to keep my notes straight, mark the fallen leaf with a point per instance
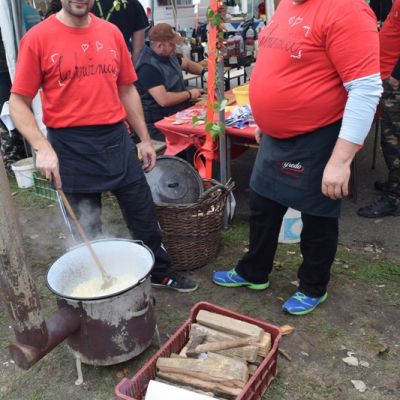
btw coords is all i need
(295, 283)
(120, 374)
(33, 237)
(364, 364)
(286, 329)
(380, 286)
(290, 253)
(353, 361)
(359, 385)
(304, 354)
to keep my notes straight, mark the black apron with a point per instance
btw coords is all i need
(95, 158)
(289, 171)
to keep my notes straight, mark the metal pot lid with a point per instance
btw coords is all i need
(174, 180)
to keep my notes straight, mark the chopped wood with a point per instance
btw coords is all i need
(259, 360)
(182, 353)
(286, 329)
(212, 335)
(248, 353)
(174, 355)
(194, 342)
(264, 344)
(215, 387)
(252, 368)
(217, 368)
(284, 354)
(223, 344)
(229, 325)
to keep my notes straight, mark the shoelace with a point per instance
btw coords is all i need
(301, 297)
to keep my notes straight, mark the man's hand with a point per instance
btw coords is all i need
(147, 155)
(258, 134)
(335, 180)
(47, 162)
(394, 83)
(195, 93)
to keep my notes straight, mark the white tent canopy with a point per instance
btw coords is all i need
(12, 29)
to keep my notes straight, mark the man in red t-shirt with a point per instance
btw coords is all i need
(84, 69)
(313, 93)
(389, 202)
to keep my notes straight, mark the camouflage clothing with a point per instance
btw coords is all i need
(390, 139)
(12, 147)
(11, 144)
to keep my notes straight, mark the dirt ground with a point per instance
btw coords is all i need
(361, 316)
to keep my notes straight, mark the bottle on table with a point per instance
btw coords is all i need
(249, 41)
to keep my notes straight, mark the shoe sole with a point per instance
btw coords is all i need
(372, 216)
(309, 310)
(252, 286)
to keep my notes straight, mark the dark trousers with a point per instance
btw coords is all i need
(138, 211)
(318, 246)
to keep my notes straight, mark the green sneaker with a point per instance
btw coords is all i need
(232, 279)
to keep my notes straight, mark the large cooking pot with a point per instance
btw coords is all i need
(114, 327)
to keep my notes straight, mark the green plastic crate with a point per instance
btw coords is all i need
(43, 187)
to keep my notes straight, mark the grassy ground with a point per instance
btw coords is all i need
(361, 315)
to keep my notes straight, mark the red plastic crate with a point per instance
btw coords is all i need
(135, 388)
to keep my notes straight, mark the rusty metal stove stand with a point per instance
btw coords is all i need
(36, 336)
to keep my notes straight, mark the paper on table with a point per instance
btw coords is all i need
(161, 391)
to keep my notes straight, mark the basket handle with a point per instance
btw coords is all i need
(228, 187)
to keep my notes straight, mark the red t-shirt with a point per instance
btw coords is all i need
(389, 37)
(79, 70)
(305, 54)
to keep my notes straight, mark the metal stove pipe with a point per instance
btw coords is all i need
(35, 337)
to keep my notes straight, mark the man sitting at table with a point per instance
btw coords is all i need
(160, 81)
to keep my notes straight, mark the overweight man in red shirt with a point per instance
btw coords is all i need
(84, 69)
(313, 93)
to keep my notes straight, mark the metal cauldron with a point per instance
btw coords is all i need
(116, 327)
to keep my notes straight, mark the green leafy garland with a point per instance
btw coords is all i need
(116, 6)
(215, 19)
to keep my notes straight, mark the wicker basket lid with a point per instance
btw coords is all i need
(174, 180)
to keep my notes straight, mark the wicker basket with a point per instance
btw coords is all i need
(191, 231)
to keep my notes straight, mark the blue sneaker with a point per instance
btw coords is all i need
(232, 279)
(301, 304)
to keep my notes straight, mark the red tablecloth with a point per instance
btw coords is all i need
(180, 137)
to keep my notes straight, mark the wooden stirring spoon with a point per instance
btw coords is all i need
(107, 279)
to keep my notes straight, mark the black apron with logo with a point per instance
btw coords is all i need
(95, 158)
(289, 171)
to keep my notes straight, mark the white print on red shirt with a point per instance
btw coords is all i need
(86, 68)
(292, 43)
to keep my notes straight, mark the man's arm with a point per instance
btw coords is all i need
(25, 122)
(337, 171)
(166, 99)
(364, 94)
(133, 107)
(137, 44)
(191, 66)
